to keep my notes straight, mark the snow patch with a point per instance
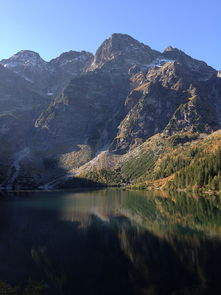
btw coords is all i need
(159, 62)
(29, 80)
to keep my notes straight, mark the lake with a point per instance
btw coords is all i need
(110, 241)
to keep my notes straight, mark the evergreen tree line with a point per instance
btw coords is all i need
(171, 164)
(203, 171)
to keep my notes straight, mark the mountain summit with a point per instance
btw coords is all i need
(26, 59)
(121, 50)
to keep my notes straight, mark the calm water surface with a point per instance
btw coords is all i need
(111, 242)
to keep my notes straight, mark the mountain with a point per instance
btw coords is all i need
(98, 117)
(27, 86)
(48, 77)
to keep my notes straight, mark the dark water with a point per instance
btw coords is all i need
(111, 242)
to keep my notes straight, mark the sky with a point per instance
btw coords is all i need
(51, 27)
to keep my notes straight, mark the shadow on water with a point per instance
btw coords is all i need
(112, 242)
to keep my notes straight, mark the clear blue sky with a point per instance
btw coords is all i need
(51, 27)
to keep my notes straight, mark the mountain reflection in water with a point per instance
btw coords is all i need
(111, 242)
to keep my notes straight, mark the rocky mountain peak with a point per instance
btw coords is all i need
(173, 52)
(118, 42)
(70, 57)
(26, 59)
(203, 71)
(169, 48)
(124, 50)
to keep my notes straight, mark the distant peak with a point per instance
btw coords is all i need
(72, 54)
(27, 58)
(121, 36)
(122, 40)
(174, 52)
(118, 42)
(170, 48)
(192, 64)
(122, 49)
(27, 53)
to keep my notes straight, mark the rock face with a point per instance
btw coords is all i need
(67, 66)
(69, 110)
(171, 89)
(81, 113)
(20, 104)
